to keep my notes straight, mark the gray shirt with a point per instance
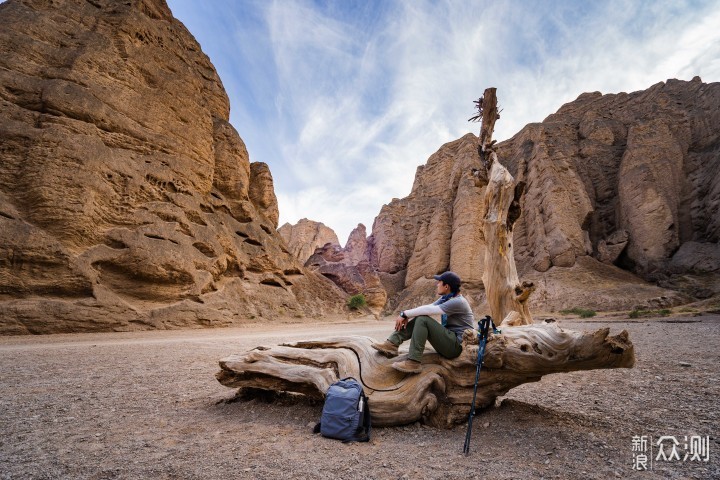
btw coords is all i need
(459, 315)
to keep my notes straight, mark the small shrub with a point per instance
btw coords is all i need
(357, 301)
(637, 313)
(583, 312)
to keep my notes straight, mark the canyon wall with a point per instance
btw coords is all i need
(621, 210)
(127, 200)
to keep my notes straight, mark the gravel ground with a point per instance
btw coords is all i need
(147, 405)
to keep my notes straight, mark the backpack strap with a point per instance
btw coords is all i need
(366, 419)
(363, 431)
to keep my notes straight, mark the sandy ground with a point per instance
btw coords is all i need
(147, 405)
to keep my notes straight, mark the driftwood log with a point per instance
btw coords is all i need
(442, 393)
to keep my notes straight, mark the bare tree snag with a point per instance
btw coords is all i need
(506, 296)
(442, 393)
(487, 114)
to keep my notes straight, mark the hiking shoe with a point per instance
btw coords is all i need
(408, 366)
(387, 348)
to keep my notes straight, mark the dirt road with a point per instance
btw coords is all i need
(147, 405)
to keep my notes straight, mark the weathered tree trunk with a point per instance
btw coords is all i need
(441, 395)
(506, 296)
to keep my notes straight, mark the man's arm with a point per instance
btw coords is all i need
(424, 310)
(431, 309)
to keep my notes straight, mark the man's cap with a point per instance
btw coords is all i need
(449, 278)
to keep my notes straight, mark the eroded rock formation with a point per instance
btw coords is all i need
(348, 268)
(639, 169)
(305, 236)
(615, 183)
(127, 200)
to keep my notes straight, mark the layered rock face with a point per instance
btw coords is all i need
(349, 268)
(434, 229)
(626, 180)
(647, 165)
(305, 236)
(127, 200)
(437, 222)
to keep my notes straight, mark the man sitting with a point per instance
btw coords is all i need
(417, 326)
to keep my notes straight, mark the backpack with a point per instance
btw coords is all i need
(345, 414)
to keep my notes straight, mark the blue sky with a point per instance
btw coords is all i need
(344, 99)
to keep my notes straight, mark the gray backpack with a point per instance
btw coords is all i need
(346, 414)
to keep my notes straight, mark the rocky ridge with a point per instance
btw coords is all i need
(621, 210)
(305, 236)
(349, 268)
(127, 200)
(638, 177)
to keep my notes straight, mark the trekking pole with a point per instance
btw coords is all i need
(482, 340)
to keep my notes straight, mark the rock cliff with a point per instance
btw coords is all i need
(640, 171)
(622, 189)
(350, 269)
(305, 236)
(127, 200)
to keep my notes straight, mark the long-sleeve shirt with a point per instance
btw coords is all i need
(458, 311)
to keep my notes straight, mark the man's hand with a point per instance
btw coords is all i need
(400, 323)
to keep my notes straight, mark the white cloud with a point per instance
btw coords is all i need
(344, 100)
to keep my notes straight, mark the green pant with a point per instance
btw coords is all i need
(423, 328)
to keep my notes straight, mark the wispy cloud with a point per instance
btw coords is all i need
(345, 99)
